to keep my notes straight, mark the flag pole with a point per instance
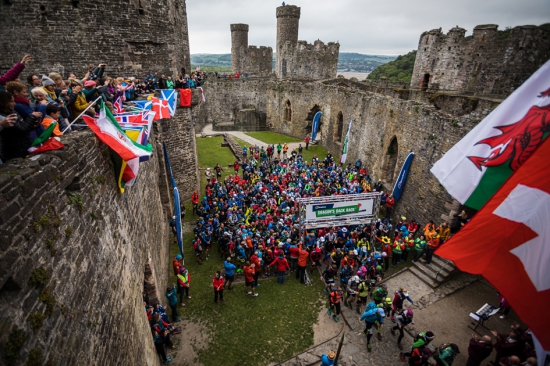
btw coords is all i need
(80, 115)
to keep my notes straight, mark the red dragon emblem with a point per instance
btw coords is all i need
(518, 140)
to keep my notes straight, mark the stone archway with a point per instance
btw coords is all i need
(309, 118)
(390, 160)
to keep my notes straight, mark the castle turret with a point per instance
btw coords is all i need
(239, 47)
(288, 19)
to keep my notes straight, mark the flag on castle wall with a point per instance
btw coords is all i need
(346, 144)
(477, 166)
(508, 242)
(109, 131)
(185, 97)
(160, 107)
(315, 125)
(117, 104)
(172, 98)
(143, 104)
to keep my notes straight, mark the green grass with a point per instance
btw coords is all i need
(241, 142)
(249, 331)
(272, 137)
(319, 150)
(211, 153)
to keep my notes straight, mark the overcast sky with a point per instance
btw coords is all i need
(365, 26)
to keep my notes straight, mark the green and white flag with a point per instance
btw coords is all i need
(479, 164)
(345, 148)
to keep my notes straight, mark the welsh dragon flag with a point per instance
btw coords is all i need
(109, 131)
(477, 166)
(346, 143)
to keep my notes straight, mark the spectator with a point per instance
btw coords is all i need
(218, 285)
(34, 82)
(479, 349)
(184, 281)
(13, 73)
(14, 132)
(171, 295)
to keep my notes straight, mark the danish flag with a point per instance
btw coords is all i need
(160, 107)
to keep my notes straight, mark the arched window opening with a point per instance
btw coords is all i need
(309, 119)
(288, 111)
(390, 160)
(339, 127)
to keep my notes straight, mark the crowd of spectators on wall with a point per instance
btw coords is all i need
(225, 75)
(27, 109)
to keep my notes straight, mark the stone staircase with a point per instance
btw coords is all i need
(435, 273)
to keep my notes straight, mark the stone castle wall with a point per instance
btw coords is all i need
(132, 37)
(248, 59)
(488, 62)
(225, 97)
(75, 253)
(428, 130)
(298, 58)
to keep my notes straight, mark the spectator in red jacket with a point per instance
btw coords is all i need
(294, 253)
(13, 73)
(218, 283)
(390, 201)
(195, 201)
(254, 259)
(176, 264)
(282, 267)
(249, 272)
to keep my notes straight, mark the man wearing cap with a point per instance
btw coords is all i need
(479, 349)
(372, 315)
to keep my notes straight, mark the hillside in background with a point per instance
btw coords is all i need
(400, 69)
(351, 62)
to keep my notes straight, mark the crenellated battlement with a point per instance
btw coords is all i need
(248, 59)
(480, 63)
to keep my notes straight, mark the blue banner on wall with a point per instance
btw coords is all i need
(315, 125)
(177, 213)
(402, 178)
(177, 208)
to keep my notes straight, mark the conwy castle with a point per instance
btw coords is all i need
(75, 254)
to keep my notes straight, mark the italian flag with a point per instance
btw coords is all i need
(479, 164)
(345, 148)
(109, 131)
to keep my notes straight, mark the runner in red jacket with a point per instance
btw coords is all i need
(249, 272)
(218, 283)
(282, 267)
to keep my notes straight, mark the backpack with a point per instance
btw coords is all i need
(416, 358)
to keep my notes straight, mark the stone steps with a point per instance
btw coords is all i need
(435, 273)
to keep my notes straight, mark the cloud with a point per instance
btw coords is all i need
(364, 26)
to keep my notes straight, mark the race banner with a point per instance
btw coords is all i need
(347, 209)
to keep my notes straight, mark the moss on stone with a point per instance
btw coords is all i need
(12, 348)
(46, 297)
(36, 320)
(39, 277)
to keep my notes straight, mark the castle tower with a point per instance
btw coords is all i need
(288, 19)
(239, 47)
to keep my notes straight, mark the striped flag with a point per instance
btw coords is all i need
(109, 131)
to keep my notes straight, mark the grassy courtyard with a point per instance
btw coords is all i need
(272, 137)
(244, 330)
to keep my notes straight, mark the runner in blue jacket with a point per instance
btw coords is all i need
(372, 315)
